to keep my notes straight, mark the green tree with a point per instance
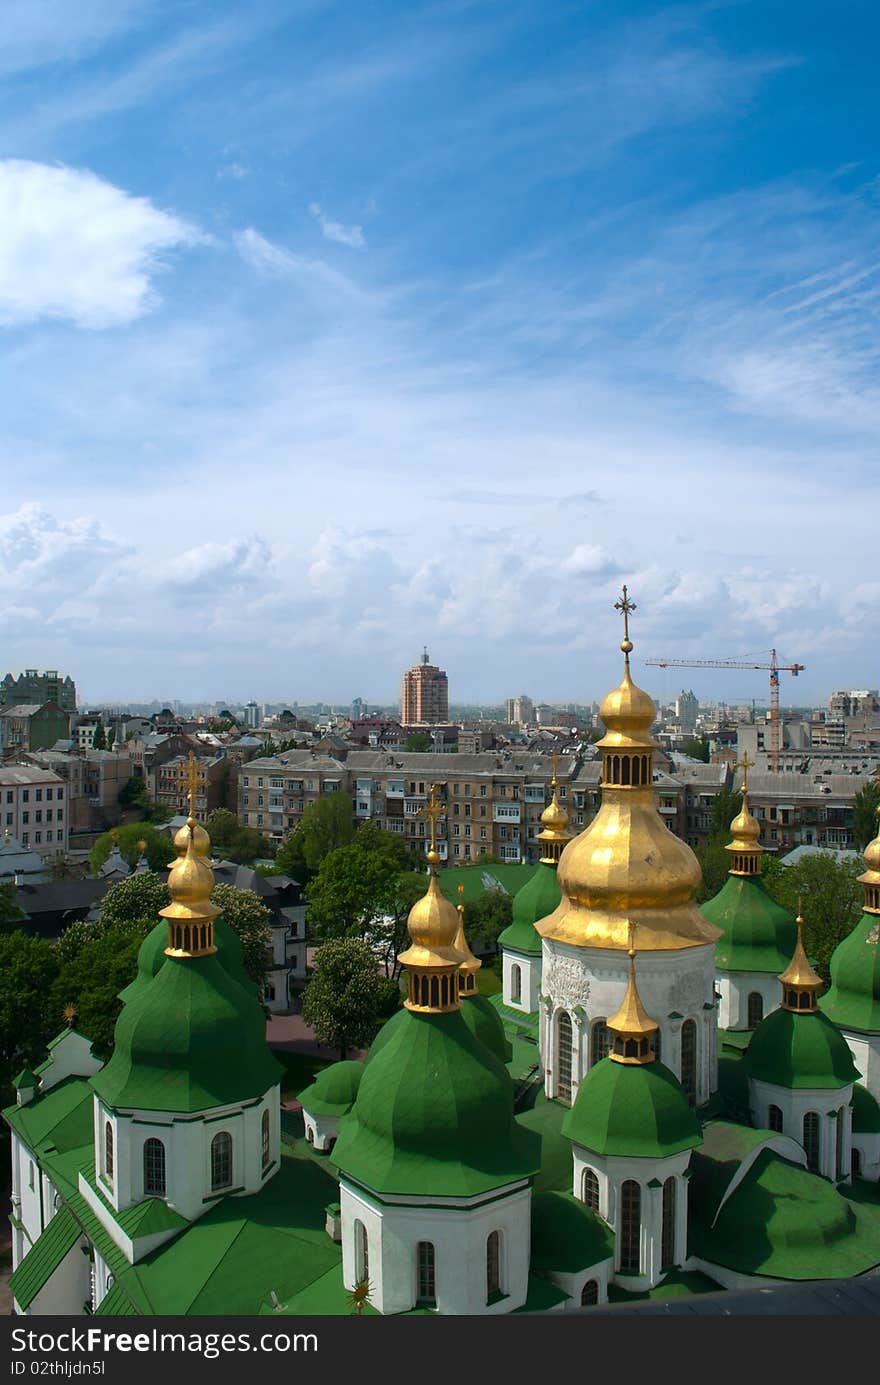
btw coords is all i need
(111, 737)
(247, 914)
(866, 806)
(831, 900)
(11, 912)
(405, 855)
(63, 868)
(343, 1000)
(487, 916)
(418, 741)
(222, 826)
(351, 888)
(725, 806)
(159, 847)
(325, 825)
(698, 749)
(28, 967)
(134, 794)
(389, 939)
(99, 740)
(715, 865)
(91, 980)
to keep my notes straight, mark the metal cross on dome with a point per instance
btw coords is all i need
(745, 764)
(432, 811)
(624, 605)
(192, 781)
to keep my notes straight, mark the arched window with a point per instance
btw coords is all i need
(840, 1128)
(563, 1056)
(811, 1140)
(600, 1042)
(774, 1119)
(754, 1009)
(154, 1168)
(361, 1252)
(266, 1142)
(856, 1162)
(493, 1264)
(667, 1236)
(590, 1189)
(435, 993)
(589, 1293)
(516, 982)
(427, 1288)
(689, 1061)
(655, 1044)
(310, 1135)
(221, 1161)
(108, 1150)
(630, 1226)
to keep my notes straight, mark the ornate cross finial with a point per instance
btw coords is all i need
(461, 899)
(555, 767)
(624, 605)
(745, 764)
(192, 781)
(432, 811)
(68, 1014)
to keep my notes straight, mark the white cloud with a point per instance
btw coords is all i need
(334, 230)
(74, 247)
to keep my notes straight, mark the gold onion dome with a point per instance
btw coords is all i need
(190, 914)
(632, 1026)
(626, 868)
(432, 960)
(469, 967)
(870, 879)
(192, 831)
(745, 848)
(800, 984)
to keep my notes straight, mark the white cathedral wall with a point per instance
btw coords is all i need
(68, 1289)
(187, 1152)
(321, 1131)
(795, 1103)
(530, 980)
(735, 988)
(590, 984)
(459, 1235)
(32, 1198)
(868, 1146)
(865, 1049)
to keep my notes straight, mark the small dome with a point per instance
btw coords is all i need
(152, 954)
(853, 999)
(484, 1022)
(554, 817)
(567, 1236)
(758, 934)
(800, 1050)
(744, 828)
(639, 1111)
(628, 713)
(191, 1039)
(872, 852)
(334, 1090)
(200, 839)
(536, 899)
(434, 1114)
(433, 923)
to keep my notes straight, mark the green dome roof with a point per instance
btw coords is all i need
(434, 1114)
(792, 1050)
(334, 1090)
(866, 1112)
(484, 1022)
(631, 1109)
(538, 897)
(853, 999)
(567, 1236)
(192, 1038)
(152, 954)
(807, 1229)
(759, 935)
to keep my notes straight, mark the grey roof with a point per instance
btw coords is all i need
(16, 859)
(27, 774)
(426, 766)
(21, 709)
(839, 854)
(789, 785)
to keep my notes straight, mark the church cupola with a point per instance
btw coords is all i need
(745, 848)
(800, 984)
(432, 960)
(554, 835)
(870, 880)
(633, 1031)
(467, 972)
(190, 914)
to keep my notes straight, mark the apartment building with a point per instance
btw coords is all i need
(33, 808)
(171, 781)
(424, 698)
(805, 809)
(32, 726)
(38, 688)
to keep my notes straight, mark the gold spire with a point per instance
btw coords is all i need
(432, 960)
(190, 914)
(626, 868)
(800, 984)
(870, 881)
(632, 1026)
(554, 833)
(467, 972)
(745, 848)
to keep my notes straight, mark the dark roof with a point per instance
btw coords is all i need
(820, 1297)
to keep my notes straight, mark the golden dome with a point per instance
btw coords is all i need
(190, 914)
(744, 829)
(872, 851)
(554, 817)
(470, 964)
(632, 1026)
(192, 831)
(799, 976)
(626, 870)
(432, 924)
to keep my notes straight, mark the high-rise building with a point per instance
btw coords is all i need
(424, 698)
(686, 709)
(520, 711)
(38, 688)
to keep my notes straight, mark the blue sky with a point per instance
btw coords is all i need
(329, 329)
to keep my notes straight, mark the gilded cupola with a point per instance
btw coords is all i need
(633, 1031)
(626, 868)
(800, 984)
(190, 914)
(432, 959)
(745, 848)
(554, 835)
(467, 972)
(870, 880)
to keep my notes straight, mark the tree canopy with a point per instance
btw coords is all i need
(831, 899)
(346, 996)
(11, 912)
(866, 805)
(418, 741)
(28, 967)
(160, 850)
(725, 806)
(352, 886)
(233, 841)
(326, 824)
(487, 916)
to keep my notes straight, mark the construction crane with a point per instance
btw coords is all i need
(775, 669)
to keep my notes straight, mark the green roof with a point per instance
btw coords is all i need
(116, 1304)
(759, 935)
(853, 999)
(334, 1089)
(190, 1040)
(631, 1109)
(866, 1112)
(61, 1117)
(717, 1162)
(434, 1114)
(542, 1295)
(484, 1022)
(521, 1019)
(567, 1236)
(44, 1257)
(325, 1295)
(786, 1223)
(537, 898)
(25, 1079)
(545, 1119)
(477, 878)
(800, 1050)
(152, 956)
(149, 1217)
